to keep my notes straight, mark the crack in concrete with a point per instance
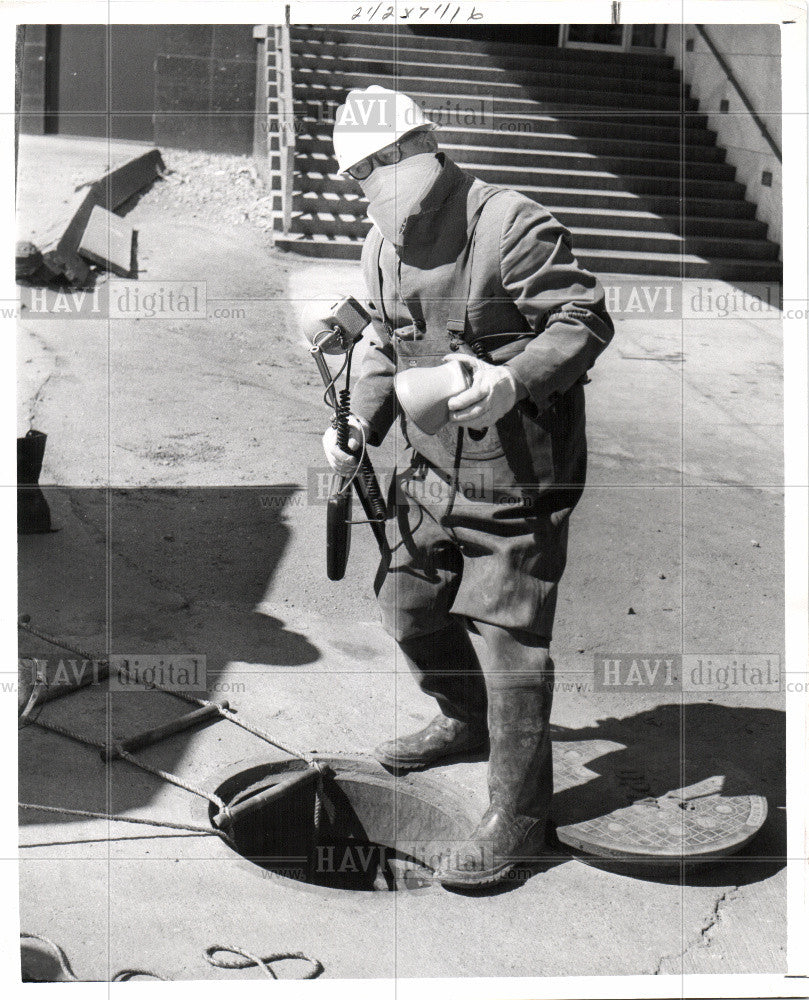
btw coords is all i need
(36, 399)
(704, 938)
(45, 362)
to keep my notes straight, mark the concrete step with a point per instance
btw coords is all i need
(524, 177)
(373, 56)
(353, 206)
(565, 75)
(311, 223)
(540, 159)
(320, 246)
(345, 203)
(335, 85)
(546, 142)
(554, 191)
(405, 39)
(626, 166)
(631, 241)
(605, 180)
(563, 60)
(598, 261)
(637, 128)
(471, 109)
(650, 222)
(674, 265)
(610, 142)
(719, 207)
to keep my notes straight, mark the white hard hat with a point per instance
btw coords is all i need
(371, 119)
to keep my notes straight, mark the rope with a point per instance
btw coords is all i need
(318, 816)
(23, 622)
(226, 713)
(126, 974)
(201, 702)
(317, 822)
(250, 961)
(246, 960)
(456, 472)
(54, 728)
(202, 830)
(250, 728)
(165, 775)
(212, 797)
(70, 975)
(64, 963)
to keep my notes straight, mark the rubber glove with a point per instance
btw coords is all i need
(491, 395)
(342, 463)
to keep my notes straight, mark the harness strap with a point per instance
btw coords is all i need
(375, 256)
(462, 278)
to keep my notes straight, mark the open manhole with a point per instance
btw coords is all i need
(376, 831)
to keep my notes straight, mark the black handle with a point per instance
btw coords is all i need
(338, 532)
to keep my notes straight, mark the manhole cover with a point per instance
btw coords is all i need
(377, 831)
(626, 808)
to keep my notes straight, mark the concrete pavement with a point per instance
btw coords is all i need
(203, 430)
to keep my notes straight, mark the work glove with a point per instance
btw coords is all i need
(342, 463)
(491, 395)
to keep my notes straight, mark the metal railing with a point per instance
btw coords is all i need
(739, 90)
(286, 121)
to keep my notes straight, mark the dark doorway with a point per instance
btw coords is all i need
(76, 79)
(186, 85)
(94, 76)
(510, 34)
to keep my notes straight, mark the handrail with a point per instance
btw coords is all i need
(739, 90)
(286, 120)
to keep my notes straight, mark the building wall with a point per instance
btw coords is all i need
(753, 53)
(32, 80)
(209, 70)
(188, 86)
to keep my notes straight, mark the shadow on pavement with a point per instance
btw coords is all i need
(161, 571)
(672, 746)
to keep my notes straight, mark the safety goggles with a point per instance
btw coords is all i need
(385, 157)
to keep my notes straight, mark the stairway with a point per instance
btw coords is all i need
(599, 138)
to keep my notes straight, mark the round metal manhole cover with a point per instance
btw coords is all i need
(372, 831)
(619, 811)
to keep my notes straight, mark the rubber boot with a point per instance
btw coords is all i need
(512, 830)
(33, 513)
(447, 668)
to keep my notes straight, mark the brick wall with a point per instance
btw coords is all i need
(187, 86)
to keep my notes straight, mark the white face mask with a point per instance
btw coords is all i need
(395, 192)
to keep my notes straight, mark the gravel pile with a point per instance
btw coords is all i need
(218, 188)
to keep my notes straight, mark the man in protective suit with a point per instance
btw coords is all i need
(457, 268)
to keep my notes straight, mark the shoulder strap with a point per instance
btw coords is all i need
(462, 278)
(374, 251)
